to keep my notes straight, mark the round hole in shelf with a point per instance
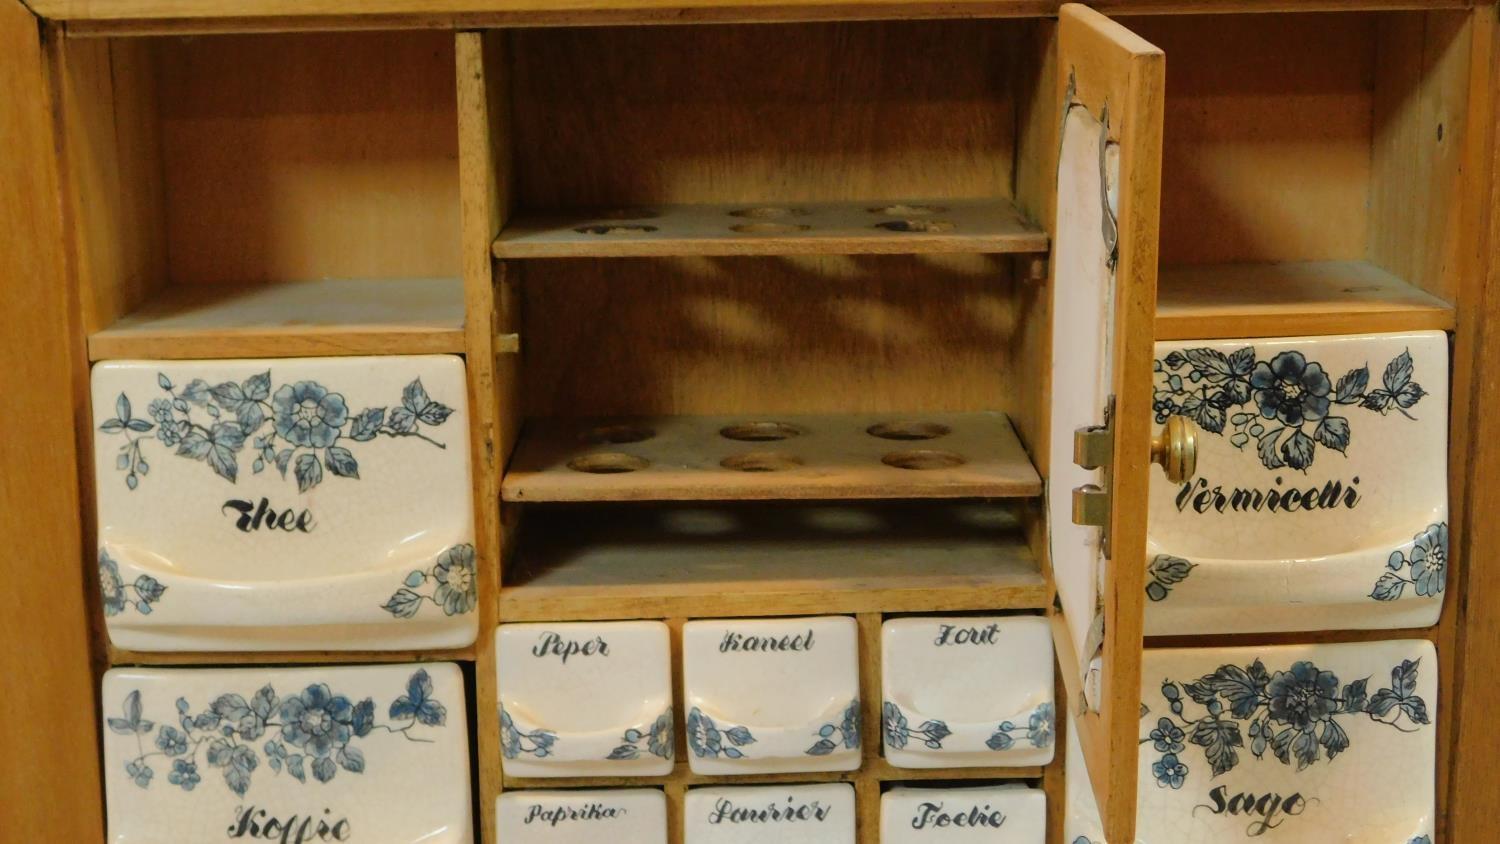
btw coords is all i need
(923, 458)
(758, 432)
(769, 212)
(613, 229)
(902, 210)
(761, 461)
(626, 214)
(906, 430)
(607, 463)
(769, 228)
(617, 434)
(924, 226)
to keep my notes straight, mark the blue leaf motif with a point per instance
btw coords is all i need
(309, 472)
(342, 463)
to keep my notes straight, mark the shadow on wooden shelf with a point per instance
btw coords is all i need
(594, 563)
(293, 319)
(1215, 301)
(750, 457)
(876, 769)
(119, 657)
(802, 228)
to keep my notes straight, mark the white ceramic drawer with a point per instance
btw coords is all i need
(1321, 494)
(350, 753)
(784, 814)
(1004, 814)
(967, 692)
(320, 503)
(585, 699)
(772, 695)
(621, 815)
(1291, 744)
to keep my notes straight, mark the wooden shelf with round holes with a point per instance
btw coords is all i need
(892, 227)
(744, 458)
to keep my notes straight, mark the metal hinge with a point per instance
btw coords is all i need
(1094, 448)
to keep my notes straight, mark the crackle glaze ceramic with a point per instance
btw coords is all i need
(771, 695)
(621, 815)
(287, 504)
(350, 753)
(967, 691)
(1003, 814)
(1321, 494)
(585, 699)
(784, 814)
(1081, 820)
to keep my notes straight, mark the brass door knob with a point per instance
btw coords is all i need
(1175, 449)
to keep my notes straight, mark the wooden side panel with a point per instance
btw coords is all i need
(1107, 69)
(48, 714)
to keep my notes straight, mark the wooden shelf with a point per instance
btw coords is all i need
(876, 769)
(294, 319)
(750, 457)
(845, 228)
(121, 657)
(1214, 301)
(592, 563)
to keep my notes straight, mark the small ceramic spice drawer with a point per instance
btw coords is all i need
(967, 691)
(1320, 499)
(290, 504)
(785, 814)
(1003, 814)
(772, 695)
(582, 699)
(349, 753)
(625, 815)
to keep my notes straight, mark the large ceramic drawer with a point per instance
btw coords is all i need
(319, 503)
(1320, 499)
(772, 695)
(967, 691)
(1004, 814)
(1294, 744)
(785, 814)
(619, 816)
(366, 753)
(585, 699)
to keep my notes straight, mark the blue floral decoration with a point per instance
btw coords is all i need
(708, 740)
(141, 593)
(312, 732)
(898, 732)
(1294, 713)
(657, 740)
(454, 586)
(1289, 399)
(1421, 839)
(1163, 572)
(1427, 566)
(514, 742)
(212, 423)
(844, 732)
(1039, 730)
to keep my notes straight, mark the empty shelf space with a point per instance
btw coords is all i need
(588, 563)
(841, 228)
(292, 319)
(750, 457)
(1213, 301)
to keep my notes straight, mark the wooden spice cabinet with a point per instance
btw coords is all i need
(204, 179)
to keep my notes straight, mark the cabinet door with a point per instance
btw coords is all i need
(1110, 89)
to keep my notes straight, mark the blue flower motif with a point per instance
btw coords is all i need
(659, 741)
(171, 741)
(110, 585)
(457, 590)
(1429, 560)
(1303, 696)
(306, 414)
(1290, 389)
(513, 742)
(1041, 726)
(894, 725)
(140, 772)
(184, 774)
(1167, 737)
(1169, 772)
(318, 721)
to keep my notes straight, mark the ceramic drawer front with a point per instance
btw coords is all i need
(786, 814)
(361, 753)
(1310, 744)
(1006, 814)
(967, 691)
(772, 695)
(624, 815)
(585, 699)
(1320, 498)
(285, 504)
